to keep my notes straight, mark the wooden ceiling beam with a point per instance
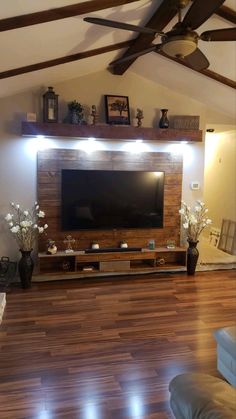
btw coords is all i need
(163, 15)
(209, 73)
(63, 60)
(58, 13)
(227, 14)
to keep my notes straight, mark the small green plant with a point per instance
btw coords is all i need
(75, 106)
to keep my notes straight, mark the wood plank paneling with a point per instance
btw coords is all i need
(50, 164)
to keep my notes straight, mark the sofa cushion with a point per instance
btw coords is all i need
(202, 396)
(226, 338)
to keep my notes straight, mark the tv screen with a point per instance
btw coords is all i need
(109, 199)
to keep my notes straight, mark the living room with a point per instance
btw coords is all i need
(108, 345)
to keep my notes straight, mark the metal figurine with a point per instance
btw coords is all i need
(139, 117)
(94, 115)
(69, 241)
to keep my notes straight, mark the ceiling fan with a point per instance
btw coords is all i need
(182, 40)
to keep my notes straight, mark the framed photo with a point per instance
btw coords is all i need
(117, 110)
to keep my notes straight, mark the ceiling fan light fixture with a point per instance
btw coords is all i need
(179, 46)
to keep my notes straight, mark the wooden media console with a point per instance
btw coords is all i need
(81, 265)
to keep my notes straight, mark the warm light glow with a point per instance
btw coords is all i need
(136, 406)
(179, 47)
(90, 145)
(90, 411)
(35, 144)
(158, 174)
(136, 147)
(44, 414)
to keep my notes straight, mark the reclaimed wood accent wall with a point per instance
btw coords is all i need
(52, 161)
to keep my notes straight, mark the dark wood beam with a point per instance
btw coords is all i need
(163, 15)
(63, 60)
(209, 73)
(227, 14)
(59, 13)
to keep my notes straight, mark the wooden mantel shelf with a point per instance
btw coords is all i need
(109, 132)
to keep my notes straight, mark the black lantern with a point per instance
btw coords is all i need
(50, 106)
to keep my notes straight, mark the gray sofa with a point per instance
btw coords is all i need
(202, 396)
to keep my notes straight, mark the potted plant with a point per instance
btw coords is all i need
(76, 115)
(25, 225)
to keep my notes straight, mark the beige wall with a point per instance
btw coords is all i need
(18, 154)
(220, 175)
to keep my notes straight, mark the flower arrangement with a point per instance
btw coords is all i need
(194, 220)
(25, 225)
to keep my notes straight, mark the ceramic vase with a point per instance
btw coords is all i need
(164, 122)
(25, 267)
(192, 257)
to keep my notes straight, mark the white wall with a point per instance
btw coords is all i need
(220, 175)
(18, 154)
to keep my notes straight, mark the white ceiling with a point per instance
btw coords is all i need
(33, 44)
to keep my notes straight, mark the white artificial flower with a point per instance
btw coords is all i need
(12, 204)
(208, 221)
(11, 224)
(17, 206)
(35, 225)
(41, 214)
(8, 217)
(40, 229)
(37, 207)
(45, 226)
(206, 209)
(192, 219)
(185, 225)
(24, 230)
(36, 203)
(181, 211)
(15, 229)
(197, 209)
(26, 213)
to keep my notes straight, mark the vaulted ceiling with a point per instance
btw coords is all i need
(47, 41)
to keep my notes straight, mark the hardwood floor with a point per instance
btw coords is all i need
(107, 349)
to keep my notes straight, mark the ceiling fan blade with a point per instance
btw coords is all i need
(199, 12)
(136, 54)
(197, 60)
(228, 34)
(121, 25)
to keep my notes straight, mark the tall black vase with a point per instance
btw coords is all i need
(192, 257)
(164, 121)
(25, 267)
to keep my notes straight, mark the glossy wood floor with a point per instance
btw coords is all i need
(108, 348)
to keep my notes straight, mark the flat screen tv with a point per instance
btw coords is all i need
(111, 199)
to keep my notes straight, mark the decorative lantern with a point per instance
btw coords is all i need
(50, 106)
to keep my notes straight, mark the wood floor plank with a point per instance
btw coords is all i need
(107, 349)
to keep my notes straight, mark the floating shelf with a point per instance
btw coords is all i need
(109, 132)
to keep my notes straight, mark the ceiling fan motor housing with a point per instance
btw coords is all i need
(179, 45)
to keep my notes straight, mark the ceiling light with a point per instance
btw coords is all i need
(210, 130)
(179, 46)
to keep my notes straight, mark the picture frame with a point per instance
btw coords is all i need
(117, 110)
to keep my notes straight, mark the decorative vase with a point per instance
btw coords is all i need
(25, 267)
(192, 257)
(164, 122)
(74, 117)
